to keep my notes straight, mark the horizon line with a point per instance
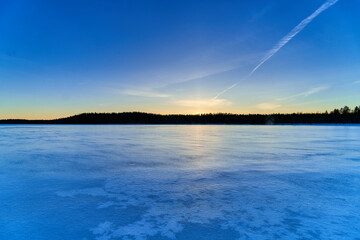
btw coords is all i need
(182, 114)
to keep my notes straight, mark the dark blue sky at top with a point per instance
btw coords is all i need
(71, 56)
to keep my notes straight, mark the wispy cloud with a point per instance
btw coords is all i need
(205, 73)
(309, 92)
(356, 82)
(145, 94)
(284, 41)
(276, 104)
(268, 106)
(198, 103)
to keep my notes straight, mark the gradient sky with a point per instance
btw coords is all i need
(59, 58)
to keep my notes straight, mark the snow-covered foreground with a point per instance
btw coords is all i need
(179, 182)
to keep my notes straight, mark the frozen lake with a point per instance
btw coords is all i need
(186, 182)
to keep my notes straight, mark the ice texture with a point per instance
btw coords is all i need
(210, 182)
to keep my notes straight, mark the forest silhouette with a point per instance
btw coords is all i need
(337, 116)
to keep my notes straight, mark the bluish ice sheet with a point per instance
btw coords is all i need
(186, 182)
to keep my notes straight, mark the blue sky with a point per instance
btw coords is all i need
(59, 58)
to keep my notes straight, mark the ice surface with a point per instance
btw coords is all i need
(179, 182)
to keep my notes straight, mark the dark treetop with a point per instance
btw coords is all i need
(343, 115)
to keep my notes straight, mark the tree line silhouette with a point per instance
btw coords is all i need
(342, 115)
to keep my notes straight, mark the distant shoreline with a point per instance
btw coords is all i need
(184, 124)
(338, 116)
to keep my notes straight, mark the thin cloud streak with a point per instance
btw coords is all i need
(306, 93)
(203, 103)
(266, 106)
(145, 94)
(284, 41)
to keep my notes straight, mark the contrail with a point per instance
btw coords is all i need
(284, 41)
